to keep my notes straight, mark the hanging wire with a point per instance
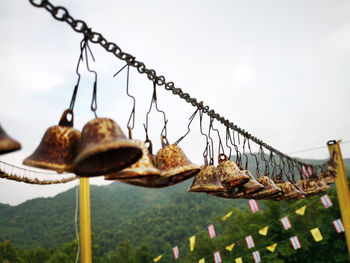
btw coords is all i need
(154, 101)
(262, 156)
(238, 154)
(188, 127)
(220, 141)
(245, 155)
(256, 159)
(228, 139)
(87, 50)
(205, 153)
(211, 142)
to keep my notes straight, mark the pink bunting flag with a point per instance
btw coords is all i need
(295, 242)
(211, 231)
(338, 224)
(256, 256)
(217, 257)
(176, 252)
(253, 205)
(326, 201)
(250, 242)
(286, 223)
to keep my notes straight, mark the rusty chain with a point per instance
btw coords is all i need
(61, 14)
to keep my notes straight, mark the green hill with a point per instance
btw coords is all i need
(142, 223)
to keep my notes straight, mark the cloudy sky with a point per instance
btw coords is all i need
(278, 69)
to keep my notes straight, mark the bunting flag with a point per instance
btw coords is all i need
(309, 170)
(217, 257)
(192, 242)
(315, 232)
(286, 223)
(338, 224)
(272, 247)
(202, 260)
(250, 242)
(211, 231)
(230, 247)
(301, 210)
(227, 216)
(238, 260)
(326, 201)
(157, 258)
(263, 231)
(256, 256)
(295, 242)
(304, 171)
(253, 206)
(176, 252)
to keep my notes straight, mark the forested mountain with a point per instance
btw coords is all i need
(132, 224)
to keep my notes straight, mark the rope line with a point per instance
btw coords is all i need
(15, 173)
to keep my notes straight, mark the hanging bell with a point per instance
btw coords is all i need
(7, 144)
(229, 173)
(174, 164)
(104, 149)
(329, 176)
(270, 189)
(289, 191)
(249, 188)
(309, 187)
(207, 180)
(58, 147)
(322, 185)
(144, 167)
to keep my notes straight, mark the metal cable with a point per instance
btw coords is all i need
(61, 14)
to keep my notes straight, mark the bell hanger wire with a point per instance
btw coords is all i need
(88, 52)
(256, 159)
(154, 101)
(205, 153)
(221, 147)
(228, 139)
(211, 142)
(238, 154)
(262, 156)
(188, 127)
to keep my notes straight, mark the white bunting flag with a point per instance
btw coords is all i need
(176, 252)
(211, 231)
(338, 224)
(256, 256)
(326, 201)
(295, 242)
(217, 257)
(285, 222)
(250, 242)
(253, 206)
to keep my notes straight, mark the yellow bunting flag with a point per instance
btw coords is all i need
(238, 260)
(227, 216)
(202, 260)
(301, 210)
(192, 242)
(230, 247)
(272, 247)
(263, 231)
(157, 258)
(316, 234)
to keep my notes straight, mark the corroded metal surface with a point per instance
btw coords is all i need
(207, 181)
(57, 149)
(104, 149)
(7, 144)
(174, 164)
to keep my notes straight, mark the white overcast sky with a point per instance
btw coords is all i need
(278, 69)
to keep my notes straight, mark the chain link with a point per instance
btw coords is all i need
(61, 14)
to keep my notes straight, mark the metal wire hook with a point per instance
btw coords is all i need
(245, 155)
(256, 158)
(228, 138)
(220, 141)
(188, 127)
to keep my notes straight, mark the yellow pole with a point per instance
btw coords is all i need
(342, 187)
(85, 221)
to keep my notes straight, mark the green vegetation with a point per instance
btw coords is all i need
(134, 225)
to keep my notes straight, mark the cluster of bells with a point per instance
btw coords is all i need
(229, 180)
(102, 149)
